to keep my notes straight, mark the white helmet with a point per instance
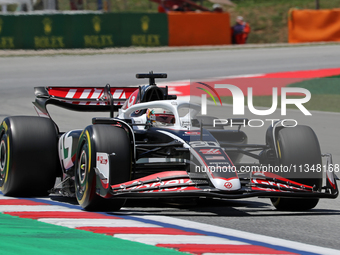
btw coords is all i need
(160, 117)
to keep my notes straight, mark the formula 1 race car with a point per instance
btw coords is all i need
(155, 147)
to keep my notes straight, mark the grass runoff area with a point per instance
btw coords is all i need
(325, 95)
(31, 237)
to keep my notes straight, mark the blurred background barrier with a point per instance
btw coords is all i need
(76, 29)
(314, 25)
(4, 3)
(205, 28)
(83, 30)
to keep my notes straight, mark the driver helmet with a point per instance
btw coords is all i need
(160, 117)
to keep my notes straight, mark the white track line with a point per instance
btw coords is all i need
(243, 234)
(35, 208)
(176, 239)
(74, 223)
(3, 197)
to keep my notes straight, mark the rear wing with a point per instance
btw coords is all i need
(98, 99)
(89, 99)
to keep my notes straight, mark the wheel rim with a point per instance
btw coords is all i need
(82, 167)
(3, 158)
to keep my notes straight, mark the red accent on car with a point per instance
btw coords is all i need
(228, 185)
(90, 93)
(153, 176)
(210, 151)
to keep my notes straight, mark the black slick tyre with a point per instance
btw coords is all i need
(299, 146)
(105, 139)
(28, 156)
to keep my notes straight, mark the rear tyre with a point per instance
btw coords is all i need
(299, 146)
(106, 139)
(28, 156)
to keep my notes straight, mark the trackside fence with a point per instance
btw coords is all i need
(83, 30)
(100, 30)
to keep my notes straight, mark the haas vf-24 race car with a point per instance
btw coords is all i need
(155, 146)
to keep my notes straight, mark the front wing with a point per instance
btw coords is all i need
(172, 184)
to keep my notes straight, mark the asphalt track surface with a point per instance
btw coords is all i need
(320, 226)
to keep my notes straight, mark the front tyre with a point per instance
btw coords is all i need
(106, 139)
(299, 146)
(28, 156)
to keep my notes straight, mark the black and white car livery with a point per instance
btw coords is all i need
(155, 147)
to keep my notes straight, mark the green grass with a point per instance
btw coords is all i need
(325, 95)
(327, 85)
(30, 237)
